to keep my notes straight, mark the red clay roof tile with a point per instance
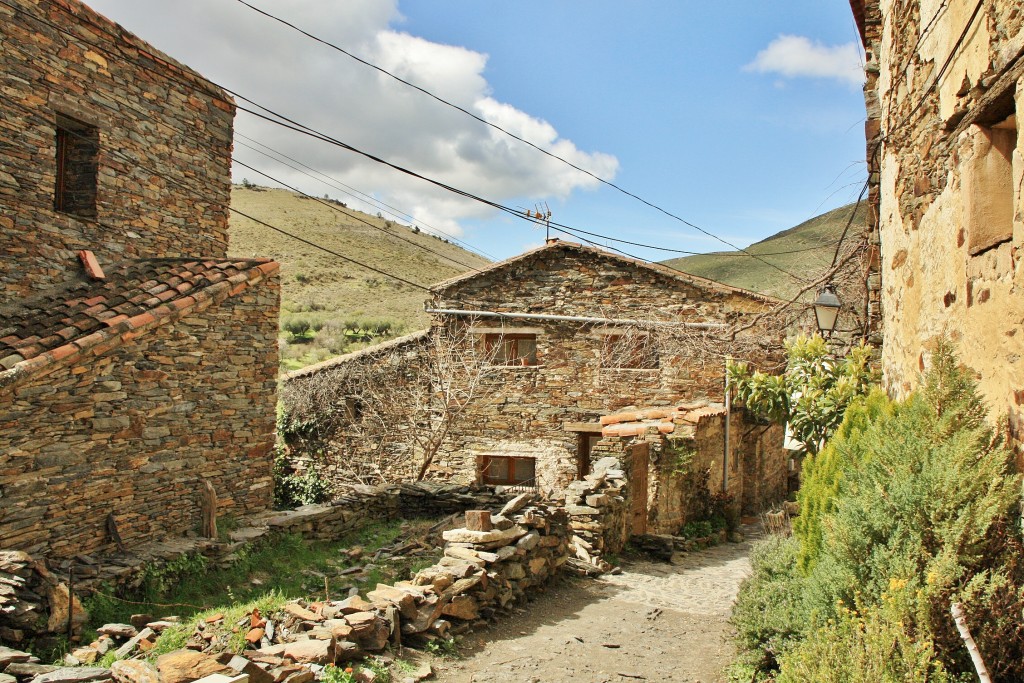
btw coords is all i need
(89, 313)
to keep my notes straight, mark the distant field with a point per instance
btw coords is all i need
(348, 303)
(812, 245)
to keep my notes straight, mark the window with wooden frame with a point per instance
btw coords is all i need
(511, 470)
(77, 172)
(511, 349)
(629, 350)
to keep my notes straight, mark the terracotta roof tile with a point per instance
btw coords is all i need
(135, 293)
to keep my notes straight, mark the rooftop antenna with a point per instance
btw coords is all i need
(543, 215)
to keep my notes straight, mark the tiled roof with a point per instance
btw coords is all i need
(659, 420)
(88, 315)
(561, 245)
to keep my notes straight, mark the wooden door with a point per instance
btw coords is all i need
(638, 489)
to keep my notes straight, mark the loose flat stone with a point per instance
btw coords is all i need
(494, 536)
(67, 674)
(9, 656)
(134, 671)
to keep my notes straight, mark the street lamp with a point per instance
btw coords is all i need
(826, 310)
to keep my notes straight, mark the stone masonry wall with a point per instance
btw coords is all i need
(164, 155)
(525, 409)
(948, 189)
(136, 431)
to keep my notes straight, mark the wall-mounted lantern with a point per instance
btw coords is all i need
(826, 310)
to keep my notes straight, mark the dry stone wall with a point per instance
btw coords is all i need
(164, 146)
(118, 446)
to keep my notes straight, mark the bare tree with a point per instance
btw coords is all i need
(384, 413)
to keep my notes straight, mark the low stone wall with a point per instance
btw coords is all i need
(345, 515)
(596, 506)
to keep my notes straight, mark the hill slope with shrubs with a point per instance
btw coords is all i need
(328, 305)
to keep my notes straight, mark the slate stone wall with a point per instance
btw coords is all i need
(164, 151)
(136, 431)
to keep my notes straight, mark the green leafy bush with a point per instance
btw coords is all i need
(292, 489)
(911, 507)
(770, 612)
(811, 396)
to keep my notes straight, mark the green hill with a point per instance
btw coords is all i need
(345, 306)
(805, 249)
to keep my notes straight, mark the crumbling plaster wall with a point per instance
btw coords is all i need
(136, 431)
(932, 284)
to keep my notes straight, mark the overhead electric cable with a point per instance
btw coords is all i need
(353, 192)
(285, 122)
(182, 185)
(510, 134)
(357, 218)
(323, 137)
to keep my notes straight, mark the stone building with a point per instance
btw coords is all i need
(944, 81)
(137, 361)
(526, 355)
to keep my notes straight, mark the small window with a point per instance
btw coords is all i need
(353, 408)
(630, 350)
(509, 470)
(511, 349)
(78, 146)
(988, 185)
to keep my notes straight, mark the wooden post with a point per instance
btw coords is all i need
(209, 497)
(478, 520)
(965, 634)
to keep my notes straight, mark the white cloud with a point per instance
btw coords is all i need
(328, 91)
(799, 56)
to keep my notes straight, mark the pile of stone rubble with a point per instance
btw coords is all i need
(487, 567)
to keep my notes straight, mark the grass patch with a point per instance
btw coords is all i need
(264, 577)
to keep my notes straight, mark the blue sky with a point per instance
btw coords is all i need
(740, 117)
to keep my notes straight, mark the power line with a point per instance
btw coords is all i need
(181, 185)
(357, 218)
(293, 125)
(353, 192)
(506, 132)
(323, 137)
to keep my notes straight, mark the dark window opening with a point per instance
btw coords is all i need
(353, 408)
(78, 146)
(510, 470)
(584, 447)
(511, 349)
(629, 351)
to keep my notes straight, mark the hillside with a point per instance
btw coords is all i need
(812, 245)
(343, 304)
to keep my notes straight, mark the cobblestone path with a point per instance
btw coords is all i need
(654, 622)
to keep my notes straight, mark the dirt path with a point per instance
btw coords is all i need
(654, 622)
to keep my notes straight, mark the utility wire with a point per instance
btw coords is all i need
(357, 218)
(353, 192)
(512, 135)
(285, 122)
(323, 137)
(191, 190)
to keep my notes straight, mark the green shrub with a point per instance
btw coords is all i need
(869, 647)
(292, 489)
(770, 613)
(822, 472)
(912, 507)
